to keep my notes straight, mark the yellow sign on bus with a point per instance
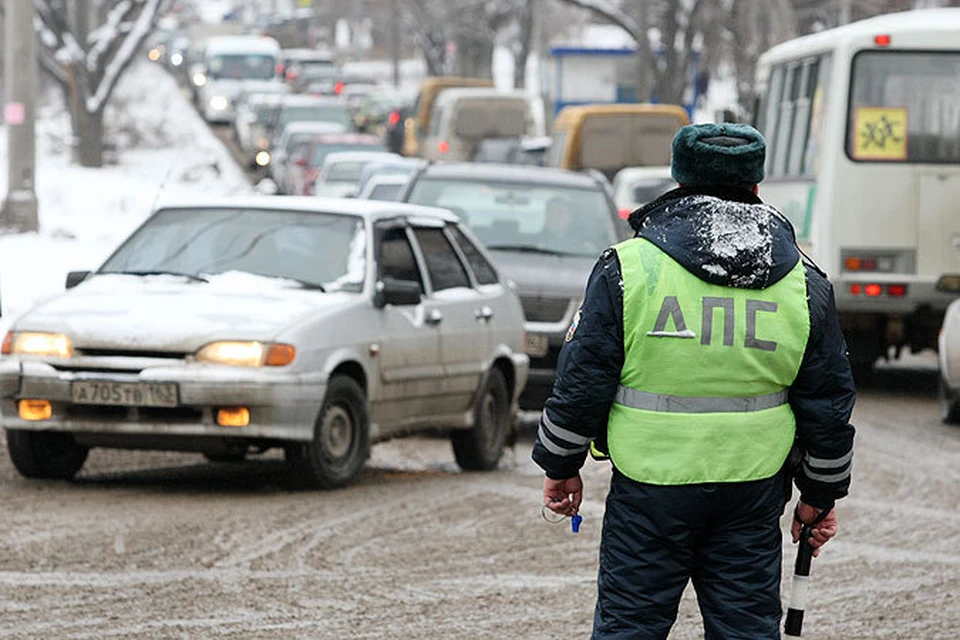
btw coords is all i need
(880, 133)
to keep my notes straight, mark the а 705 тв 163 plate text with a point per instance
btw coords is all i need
(124, 394)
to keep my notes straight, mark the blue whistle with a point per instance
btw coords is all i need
(575, 523)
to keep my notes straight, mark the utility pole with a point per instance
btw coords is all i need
(395, 40)
(644, 55)
(19, 111)
(845, 12)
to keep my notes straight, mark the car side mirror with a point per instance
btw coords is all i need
(76, 277)
(395, 292)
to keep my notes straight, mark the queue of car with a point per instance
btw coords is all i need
(405, 294)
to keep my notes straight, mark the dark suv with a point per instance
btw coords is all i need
(545, 228)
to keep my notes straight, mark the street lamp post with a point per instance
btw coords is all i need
(20, 70)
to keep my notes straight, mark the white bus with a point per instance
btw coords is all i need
(863, 128)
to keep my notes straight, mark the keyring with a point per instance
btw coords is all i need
(543, 514)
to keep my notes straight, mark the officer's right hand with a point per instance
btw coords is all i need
(821, 533)
(563, 496)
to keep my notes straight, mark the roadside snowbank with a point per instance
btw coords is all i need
(86, 213)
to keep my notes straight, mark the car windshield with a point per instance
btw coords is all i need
(312, 249)
(332, 113)
(385, 192)
(242, 67)
(346, 171)
(525, 217)
(322, 150)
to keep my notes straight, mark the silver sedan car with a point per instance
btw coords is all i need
(232, 326)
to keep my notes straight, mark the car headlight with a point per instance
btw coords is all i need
(219, 103)
(247, 354)
(176, 59)
(30, 343)
(262, 158)
(199, 79)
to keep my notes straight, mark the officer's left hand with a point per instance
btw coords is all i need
(563, 496)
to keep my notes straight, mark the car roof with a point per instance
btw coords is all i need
(447, 96)
(372, 210)
(641, 173)
(226, 45)
(300, 100)
(313, 127)
(354, 156)
(299, 55)
(388, 178)
(510, 173)
(349, 138)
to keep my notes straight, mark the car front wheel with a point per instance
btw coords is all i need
(949, 404)
(341, 440)
(45, 454)
(480, 448)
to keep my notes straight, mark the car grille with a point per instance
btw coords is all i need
(172, 415)
(131, 353)
(538, 309)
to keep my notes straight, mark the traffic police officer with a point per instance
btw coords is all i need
(705, 350)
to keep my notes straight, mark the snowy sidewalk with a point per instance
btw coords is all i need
(86, 213)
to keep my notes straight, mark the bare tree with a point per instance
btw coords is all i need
(679, 24)
(473, 27)
(88, 62)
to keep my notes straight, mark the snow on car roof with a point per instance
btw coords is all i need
(227, 45)
(313, 127)
(358, 156)
(367, 209)
(300, 100)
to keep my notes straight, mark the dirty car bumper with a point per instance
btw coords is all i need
(282, 406)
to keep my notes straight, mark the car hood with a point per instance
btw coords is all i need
(168, 313)
(546, 276)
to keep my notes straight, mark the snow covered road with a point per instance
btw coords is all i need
(158, 545)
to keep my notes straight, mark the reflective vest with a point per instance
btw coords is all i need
(703, 391)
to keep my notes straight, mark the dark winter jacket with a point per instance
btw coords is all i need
(588, 373)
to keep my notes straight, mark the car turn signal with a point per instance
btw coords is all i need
(35, 410)
(247, 354)
(233, 417)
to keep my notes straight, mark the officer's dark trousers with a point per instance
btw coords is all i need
(725, 537)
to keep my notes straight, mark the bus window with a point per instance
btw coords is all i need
(801, 124)
(770, 104)
(818, 98)
(791, 92)
(905, 107)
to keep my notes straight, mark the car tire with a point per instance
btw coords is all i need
(341, 440)
(480, 448)
(949, 404)
(45, 454)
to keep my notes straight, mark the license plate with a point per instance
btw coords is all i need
(125, 394)
(536, 345)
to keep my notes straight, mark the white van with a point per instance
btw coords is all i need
(462, 118)
(236, 64)
(863, 131)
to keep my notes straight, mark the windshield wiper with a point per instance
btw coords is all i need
(527, 248)
(160, 272)
(310, 286)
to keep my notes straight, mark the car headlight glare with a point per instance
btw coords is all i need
(247, 354)
(199, 79)
(219, 103)
(30, 343)
(262, 158)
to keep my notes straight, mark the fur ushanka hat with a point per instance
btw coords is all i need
(718, 154)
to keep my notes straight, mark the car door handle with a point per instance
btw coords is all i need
(484, 313)
(434, 317)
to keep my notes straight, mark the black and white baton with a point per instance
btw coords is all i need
(798, 593)
(801, 576)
